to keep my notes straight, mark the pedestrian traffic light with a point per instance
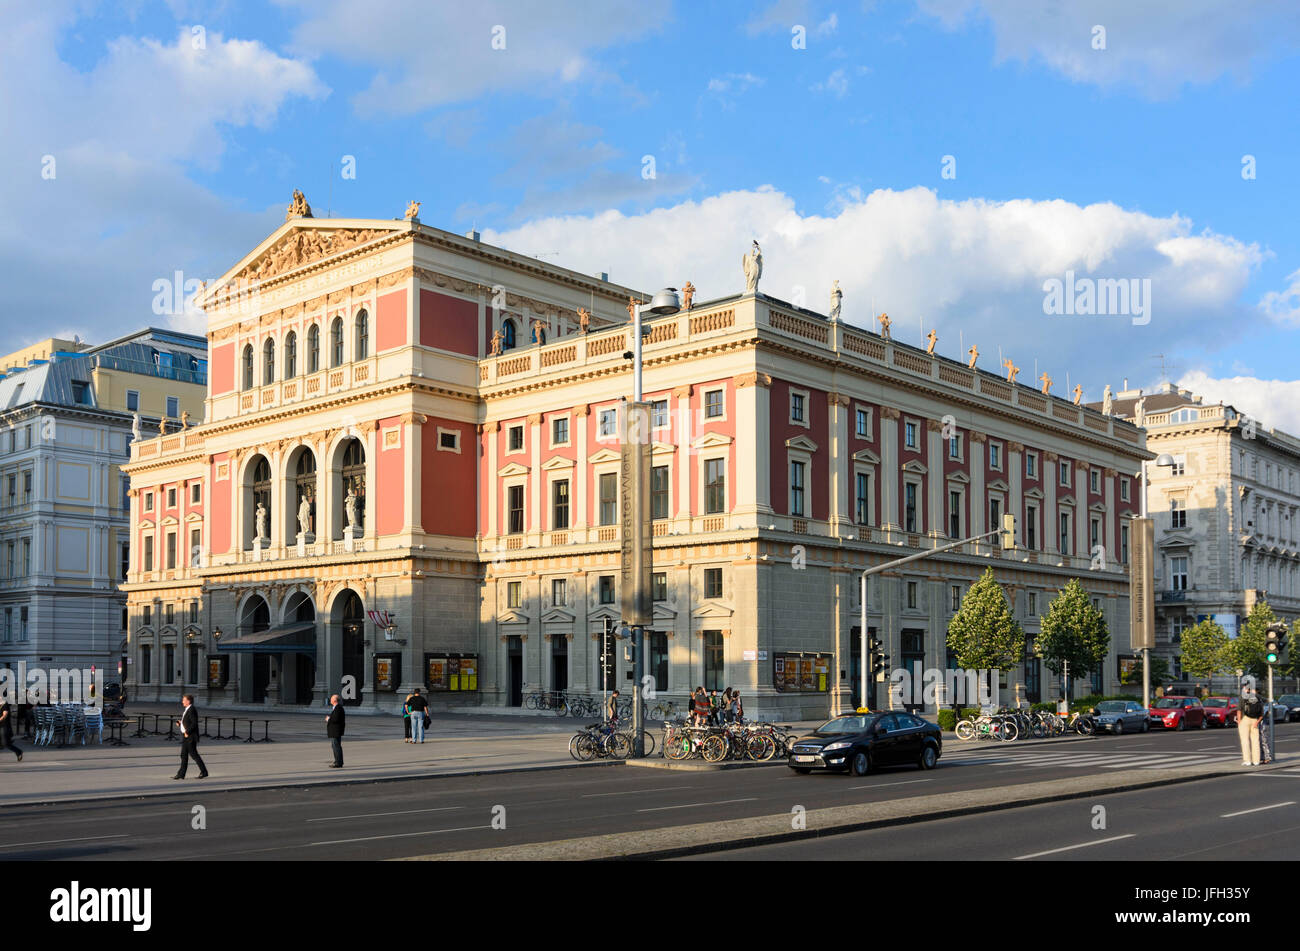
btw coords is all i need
(1274, 641)
(1008, 531)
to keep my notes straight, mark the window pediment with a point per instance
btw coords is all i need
(557, 462)
(712, 610)
(998, 485)
(866, 455)
(513, 469)
(802, 443)
(604, 455)
(513, 617)
(558, 616)
(958, 477)
(912, 466)
(710, 440)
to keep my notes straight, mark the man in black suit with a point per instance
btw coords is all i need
(334, 724)
(189, 724)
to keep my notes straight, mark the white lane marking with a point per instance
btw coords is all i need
(400, 835)
(376, 815)
(1246, 812)
(89, 838)
(627, 792)
(696, 805)
(1081, 845)
(905, 782)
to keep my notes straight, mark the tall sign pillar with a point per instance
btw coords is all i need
(1142, 597)
(636, 546)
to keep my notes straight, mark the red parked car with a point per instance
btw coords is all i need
(1178, 713)
(1221, 711)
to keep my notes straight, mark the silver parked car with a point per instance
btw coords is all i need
(1119, 716)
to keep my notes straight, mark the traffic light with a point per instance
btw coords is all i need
(874, 645)
(1008, 531)
(879, 664)
(1274, 642)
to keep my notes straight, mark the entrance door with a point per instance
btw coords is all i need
(516, 652)
(560, 663)
(261, 676)
(350, 616)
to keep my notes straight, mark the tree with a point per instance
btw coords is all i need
(1075, 632)
(1245, 652)
(1159, 673)
(984, 634)
(1204, 650)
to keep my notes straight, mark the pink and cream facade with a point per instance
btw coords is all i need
(365, 451)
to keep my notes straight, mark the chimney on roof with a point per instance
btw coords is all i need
(472, 235)
(604, 275)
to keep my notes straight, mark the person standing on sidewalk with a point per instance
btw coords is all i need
(418, 707)
(1251, 711)
(189, 724)
(406, 716)
(334, 727)
(7, 730)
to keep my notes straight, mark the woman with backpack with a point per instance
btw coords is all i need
(1251, 711)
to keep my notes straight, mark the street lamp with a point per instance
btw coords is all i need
(664, 304)
(1164, 460)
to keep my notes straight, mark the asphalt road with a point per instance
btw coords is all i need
(396, 819)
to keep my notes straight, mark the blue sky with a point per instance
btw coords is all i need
(1117, 162)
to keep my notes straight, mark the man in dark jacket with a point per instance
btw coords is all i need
(334, 724)
(419, 708)
(189, 724)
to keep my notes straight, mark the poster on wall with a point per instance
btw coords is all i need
(821, 667)
(216, 671)
(792, 673)
(806, 679)
(435, 677)
(469, 673)
(385, 673)
(778, 672)
(453, 673)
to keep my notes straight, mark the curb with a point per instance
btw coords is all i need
(773, 830)
(655, 763)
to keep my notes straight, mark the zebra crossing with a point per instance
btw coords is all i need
(1084, 760)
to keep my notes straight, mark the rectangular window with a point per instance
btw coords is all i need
(148, 501)
(658, 659)
(171, 498)
(126, 493)
(608, 498)
(1178, 574)
(1123, 544)
(449, 441)
(1065, 473)
(171, 550)
(27, 487)
(24, 616)
(196, 493)
(909, 433)
(133, 401)
(954, 446)
(1033, 603)
(196, 546)
(560, 504)
(1179, 467)
(147, 616)
(909, 507)
(27, 557)
(606, 589)
(9, 625)
(796, 407)
(125, 562)
(715, 486)
(713, 404)
(1031, 465)
(713, 661)
(995, 455)
(13, 490)
(1066, 547)
(559, 592)
(194, 612)
(911, 594)
(169, 612)
(169, 663)
(956, 598)
(1123, 490)
(146, 663)
(516, 439)
(863, 424)
(608, 422)
(1094, 481)
(514, 594)
(1178, 512)
(659, 585)
(713, 582)
(862, 501)
(11, 562)
(954, 515)
(560, 431)
(659, 492)
(173, 407)
(1031, 528)
(1094, 533)
(995, 513)
(659, 414)
(515, 509)
(797, 489)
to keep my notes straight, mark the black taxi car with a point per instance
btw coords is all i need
(860, 742)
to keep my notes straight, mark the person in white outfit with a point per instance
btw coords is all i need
(1251, 711)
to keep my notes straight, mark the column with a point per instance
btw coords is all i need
(1083, 527)
(841, 515)
(1051, 530)
(412, 441)
(976, 443)
(328, 478)
(753, 447)
(1109, 521)
(1016, 503)
(491, 487)
(278, 525)
(889, 469)
(934, 481)
(580, 474)
(537, 516)
(369, 441)
(685, 434)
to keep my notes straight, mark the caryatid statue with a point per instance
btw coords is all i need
(884, 325)
(162, 426)
(1140, 411)
(185, 420)
(584, 319)
(135, 425)
(1011, 369)
(498, 338)
(1078, 394)
(933, 338)
(539, 331)
(350, 508)
(1047, 383)
(1107, 401)
(974, 352)
(688, 295)
(837, 299)
(304, 516)
(753, 264)
(261, 520)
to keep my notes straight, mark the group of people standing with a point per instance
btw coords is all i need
(709, 709)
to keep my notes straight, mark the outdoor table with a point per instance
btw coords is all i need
(171, 728)
(114, 728)
(266, 728)
(234, 724)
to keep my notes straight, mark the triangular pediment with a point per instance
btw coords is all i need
(710, 440)
(603, 455)
(170, 520)
(913, 466)
(1036, 494)
(194, 517)
(801, 442)
(513, 469)
(597, 617)
(558, 616)
(660, 448)
(712, 609)
(513, 617)
(146, 523)
(1097, 507)
(557, 462)
(958, 477)
(301, 241)
(663, 612)
(997, 485)
(866, 455)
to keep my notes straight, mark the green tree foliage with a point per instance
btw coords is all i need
(1246, 651)
(983, 634)
(1204, 650)
(1073, 631)
(1160, 673)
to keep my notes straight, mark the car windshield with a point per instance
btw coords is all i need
(1168, 702)
(847, 724)
(1290, 699)
(1111, 706)
(1216, 702)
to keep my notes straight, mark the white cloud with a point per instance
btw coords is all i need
(828, 26)
(725, 90)
(779, 15)
(1155, 47)
(1273, 403)
(1284, 306)
(431, 54)
(837, 84)
(972, 267)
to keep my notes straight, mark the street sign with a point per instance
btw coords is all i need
(1142, 596)
(751, 655)
(635, 524)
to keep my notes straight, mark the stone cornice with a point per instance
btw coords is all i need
(752, 379)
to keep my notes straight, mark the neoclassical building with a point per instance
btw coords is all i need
(409, 477)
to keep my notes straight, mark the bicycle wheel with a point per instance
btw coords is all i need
(714, 748)
(1009, 731)
(582, 747)
(649, 741)
(561, 707)
(761, 747)
(677, 746)
(965, 730)
(618, 745)
(530, 702)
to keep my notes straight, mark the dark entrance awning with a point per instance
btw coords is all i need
(299, 638)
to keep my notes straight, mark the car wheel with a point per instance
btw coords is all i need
(1181, 724)
(860, 764)
(1205, 724)
(1119, 727)
(1146, 725)
(929, 758)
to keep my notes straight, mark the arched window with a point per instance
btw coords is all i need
(508, 329)
(305, 484)
(354, 482)
(268, 362)
(291, 356)
(363, 336)
(261, 493)
(336, 342)
(248, 367)
(313, 349)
